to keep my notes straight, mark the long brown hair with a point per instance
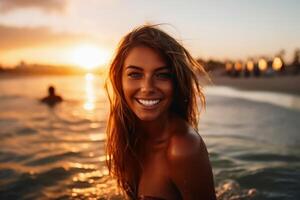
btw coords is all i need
(123, 143)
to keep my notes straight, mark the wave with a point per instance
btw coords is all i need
(279, 99)
(231, 190)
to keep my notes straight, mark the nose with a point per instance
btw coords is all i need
(147, 85)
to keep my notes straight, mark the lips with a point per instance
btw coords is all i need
(148, 102)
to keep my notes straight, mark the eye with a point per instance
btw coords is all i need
(135, 75)
(164, 75)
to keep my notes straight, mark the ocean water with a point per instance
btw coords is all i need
(252, 137)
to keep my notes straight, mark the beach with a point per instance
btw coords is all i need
(289, 84)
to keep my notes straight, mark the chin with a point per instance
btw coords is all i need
(147, 117)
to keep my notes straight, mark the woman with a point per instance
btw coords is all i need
(153, 147)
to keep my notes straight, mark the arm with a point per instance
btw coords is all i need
(190, 168)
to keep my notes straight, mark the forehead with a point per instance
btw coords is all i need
(144, 57)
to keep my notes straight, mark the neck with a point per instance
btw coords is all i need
(155, 131)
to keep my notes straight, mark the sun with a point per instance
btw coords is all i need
(89, 56)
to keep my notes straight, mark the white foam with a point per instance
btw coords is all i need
(279, 99)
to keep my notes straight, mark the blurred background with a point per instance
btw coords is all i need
(252, 120)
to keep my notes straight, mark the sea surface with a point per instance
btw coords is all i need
(253, 139)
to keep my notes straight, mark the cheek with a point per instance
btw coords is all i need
(128, 89)
(168, 89)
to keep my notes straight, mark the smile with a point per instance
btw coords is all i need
(147, 102)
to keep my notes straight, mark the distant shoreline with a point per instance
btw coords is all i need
(24, 75)
(284, 84)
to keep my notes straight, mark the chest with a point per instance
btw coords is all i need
(155, 179)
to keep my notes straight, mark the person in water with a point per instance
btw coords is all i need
(52, 99)
(153, 148)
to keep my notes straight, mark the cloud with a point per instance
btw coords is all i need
(58, 6)
(12, 38)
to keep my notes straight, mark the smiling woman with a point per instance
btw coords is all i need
(89, 56)
(153, 147)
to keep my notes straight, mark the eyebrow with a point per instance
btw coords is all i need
(141, 69)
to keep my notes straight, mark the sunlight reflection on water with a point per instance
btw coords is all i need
(89, 104)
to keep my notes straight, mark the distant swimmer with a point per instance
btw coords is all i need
(52, 99)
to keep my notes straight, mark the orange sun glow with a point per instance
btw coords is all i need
(89, 56)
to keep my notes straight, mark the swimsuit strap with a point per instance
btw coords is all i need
(143, 197)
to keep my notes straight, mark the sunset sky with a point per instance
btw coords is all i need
(61, 31)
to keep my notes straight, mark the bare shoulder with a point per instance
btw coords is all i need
(184, 144)
(189, 166)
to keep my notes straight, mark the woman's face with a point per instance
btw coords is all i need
(147, 84)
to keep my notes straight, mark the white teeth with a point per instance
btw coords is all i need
(148, 102)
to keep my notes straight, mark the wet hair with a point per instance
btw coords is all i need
(123, 143)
